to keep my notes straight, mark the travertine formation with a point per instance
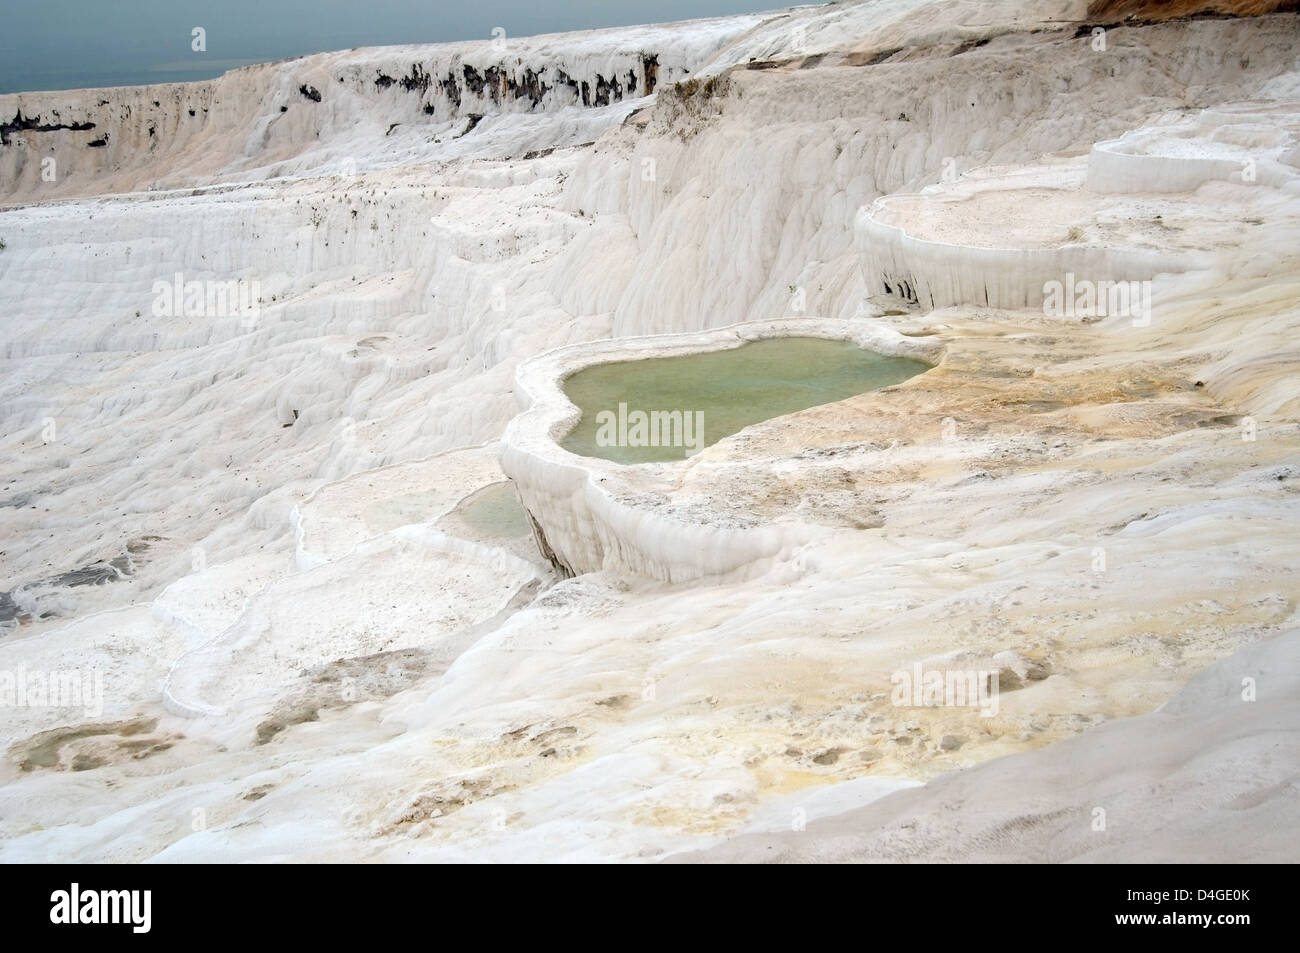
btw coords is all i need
(592, 515)
(253, 525)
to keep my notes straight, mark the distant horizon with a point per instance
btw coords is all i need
(80, 44)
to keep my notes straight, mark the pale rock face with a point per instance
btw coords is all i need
(312, 114)
(306, 651)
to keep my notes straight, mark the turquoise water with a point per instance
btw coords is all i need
(715, 394)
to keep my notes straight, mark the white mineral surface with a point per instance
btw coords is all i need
(308, 649)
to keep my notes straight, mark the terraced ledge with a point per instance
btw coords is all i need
(906, 247)
(1164, 199)
(590, 514)
(1241, 143)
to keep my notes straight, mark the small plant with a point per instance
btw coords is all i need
(687, 88)
(706, 88)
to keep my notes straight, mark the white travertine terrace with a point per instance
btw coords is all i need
(1079, 504)
(996, 237)
(901, 260)
(1245, 143)
(579, 504)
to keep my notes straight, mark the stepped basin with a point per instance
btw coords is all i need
(492, 513)
(591, 512)
(666, 408)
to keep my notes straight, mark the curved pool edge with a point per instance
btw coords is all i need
(582, 526)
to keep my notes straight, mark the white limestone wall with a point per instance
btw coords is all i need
(939, 274)
(743, 196)
(1112, 169)
(337, 112)
(1248, 143)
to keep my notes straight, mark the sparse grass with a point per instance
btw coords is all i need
(686, 88)
(701, 89)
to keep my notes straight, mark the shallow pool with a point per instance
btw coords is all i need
(492, 512)
(666, 408)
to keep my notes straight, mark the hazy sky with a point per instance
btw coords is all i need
(67, 44)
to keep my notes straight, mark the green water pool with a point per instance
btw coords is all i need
(666, 408)
(494, 511)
